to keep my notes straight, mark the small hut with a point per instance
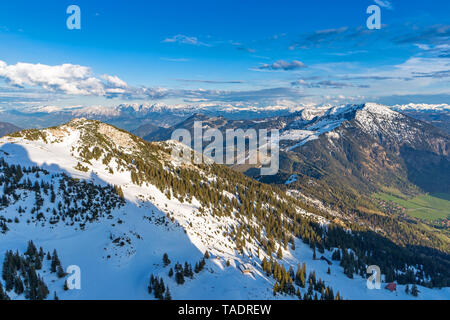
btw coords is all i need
(245, 268)
(391, 287)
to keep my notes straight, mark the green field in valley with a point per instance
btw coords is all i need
(429, 207)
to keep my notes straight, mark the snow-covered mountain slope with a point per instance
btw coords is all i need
(369, 138)
(113, 204)
(347, 154)
(371, 127)
(373, 119)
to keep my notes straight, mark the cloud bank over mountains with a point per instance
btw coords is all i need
(66, 78)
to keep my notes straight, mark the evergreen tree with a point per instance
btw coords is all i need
(3, 295)
(55, 262)
(279, 254)
(18, 286)
(166, 260)
(60, 272)
(275, 288)
(150, 286)
(31, 250)
(66, 286)
(414, 290)
(179, 278)
(167, 296)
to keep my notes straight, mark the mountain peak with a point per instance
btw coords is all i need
(378, 109)
(80, 120)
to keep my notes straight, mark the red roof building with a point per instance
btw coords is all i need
(392, 287)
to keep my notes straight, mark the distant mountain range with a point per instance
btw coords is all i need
(343, 155)
(436, 114)
(132, 116)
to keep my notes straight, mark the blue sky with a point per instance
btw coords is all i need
(258, 53)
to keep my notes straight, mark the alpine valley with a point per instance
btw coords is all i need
(358, 185)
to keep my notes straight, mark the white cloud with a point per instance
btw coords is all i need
(115, 81)
(180, 38)
(417, 67)
(284, 65)
(66, 78)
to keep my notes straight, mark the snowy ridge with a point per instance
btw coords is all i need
(422, 107)
(316, 122)
(146, 108)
